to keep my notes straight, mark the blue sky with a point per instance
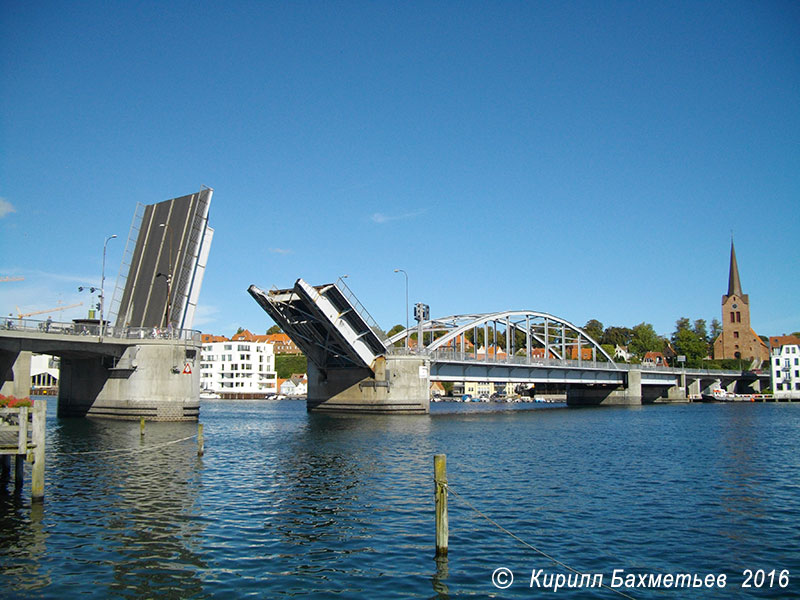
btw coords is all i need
(587, 159)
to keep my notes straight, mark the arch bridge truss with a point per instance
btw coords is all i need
(508, 335)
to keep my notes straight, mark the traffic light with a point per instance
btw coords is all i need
(422, 312)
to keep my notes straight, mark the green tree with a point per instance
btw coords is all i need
(716, 329)
(609, 349)
(645, 339)
(617, 336)
(286, 364)
(274, 329)
(595, 329)
(700, 329)
(397, 329)
(689, 342)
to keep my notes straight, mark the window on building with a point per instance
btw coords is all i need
(736, 335)
(230, 346)
(738, 317)
(733, 317)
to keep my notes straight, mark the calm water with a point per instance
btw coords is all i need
(286, 504)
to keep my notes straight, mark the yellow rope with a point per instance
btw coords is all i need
(531, 546)
(132, 450)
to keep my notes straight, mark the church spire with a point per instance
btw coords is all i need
(734, 285)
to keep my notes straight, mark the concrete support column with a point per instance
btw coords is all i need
(627, 394)
(395, 384)
(15, 373)
(160, 382)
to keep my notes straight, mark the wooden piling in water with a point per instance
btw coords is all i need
(200, 441)
(440, 497)
(141, 426)
(37, 440)
(5, 468)
(19, 470)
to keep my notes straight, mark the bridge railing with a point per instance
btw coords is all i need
(93, 330)
(360, 309)
(449, 355)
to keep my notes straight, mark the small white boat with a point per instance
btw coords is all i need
(718, 395)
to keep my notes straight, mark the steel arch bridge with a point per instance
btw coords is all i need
(515, 332)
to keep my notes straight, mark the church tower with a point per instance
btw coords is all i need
(737, 339)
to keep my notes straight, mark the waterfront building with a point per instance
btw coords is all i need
(44, 374)
(785, 366)
(296, 385)
(437, 389)
(283, 343)
(540, 353)
(621, 353)
(737, 339)
(586, 353)
(238, 369)
(495, 353)
(654, 359)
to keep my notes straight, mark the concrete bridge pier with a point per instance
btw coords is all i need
(159, 382)
(15, 373)
(630, 393)
(627, 394)
(395, 385)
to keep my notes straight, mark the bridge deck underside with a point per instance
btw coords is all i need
(499, 372)
(323, 323)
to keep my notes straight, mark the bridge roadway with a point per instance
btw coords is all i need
(449, 365)
(124, 374)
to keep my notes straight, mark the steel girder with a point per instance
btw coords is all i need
(553, 333)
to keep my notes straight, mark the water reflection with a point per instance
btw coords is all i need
(127, 514)
(439, 579)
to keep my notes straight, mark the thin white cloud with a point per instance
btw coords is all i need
(381, 218)
(205, 314)
(6, 207)
(93, 279)
(280, 250)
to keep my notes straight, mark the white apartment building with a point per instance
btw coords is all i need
(785, 367)
(238, 369)
(44, 373)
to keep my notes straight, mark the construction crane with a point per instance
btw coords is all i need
(41, 312)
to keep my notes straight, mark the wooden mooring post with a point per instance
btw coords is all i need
(22, 434)
(440, 496)
(37, 440)
(200, 441)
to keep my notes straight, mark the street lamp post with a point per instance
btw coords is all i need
(102, 283)
(407, 334)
